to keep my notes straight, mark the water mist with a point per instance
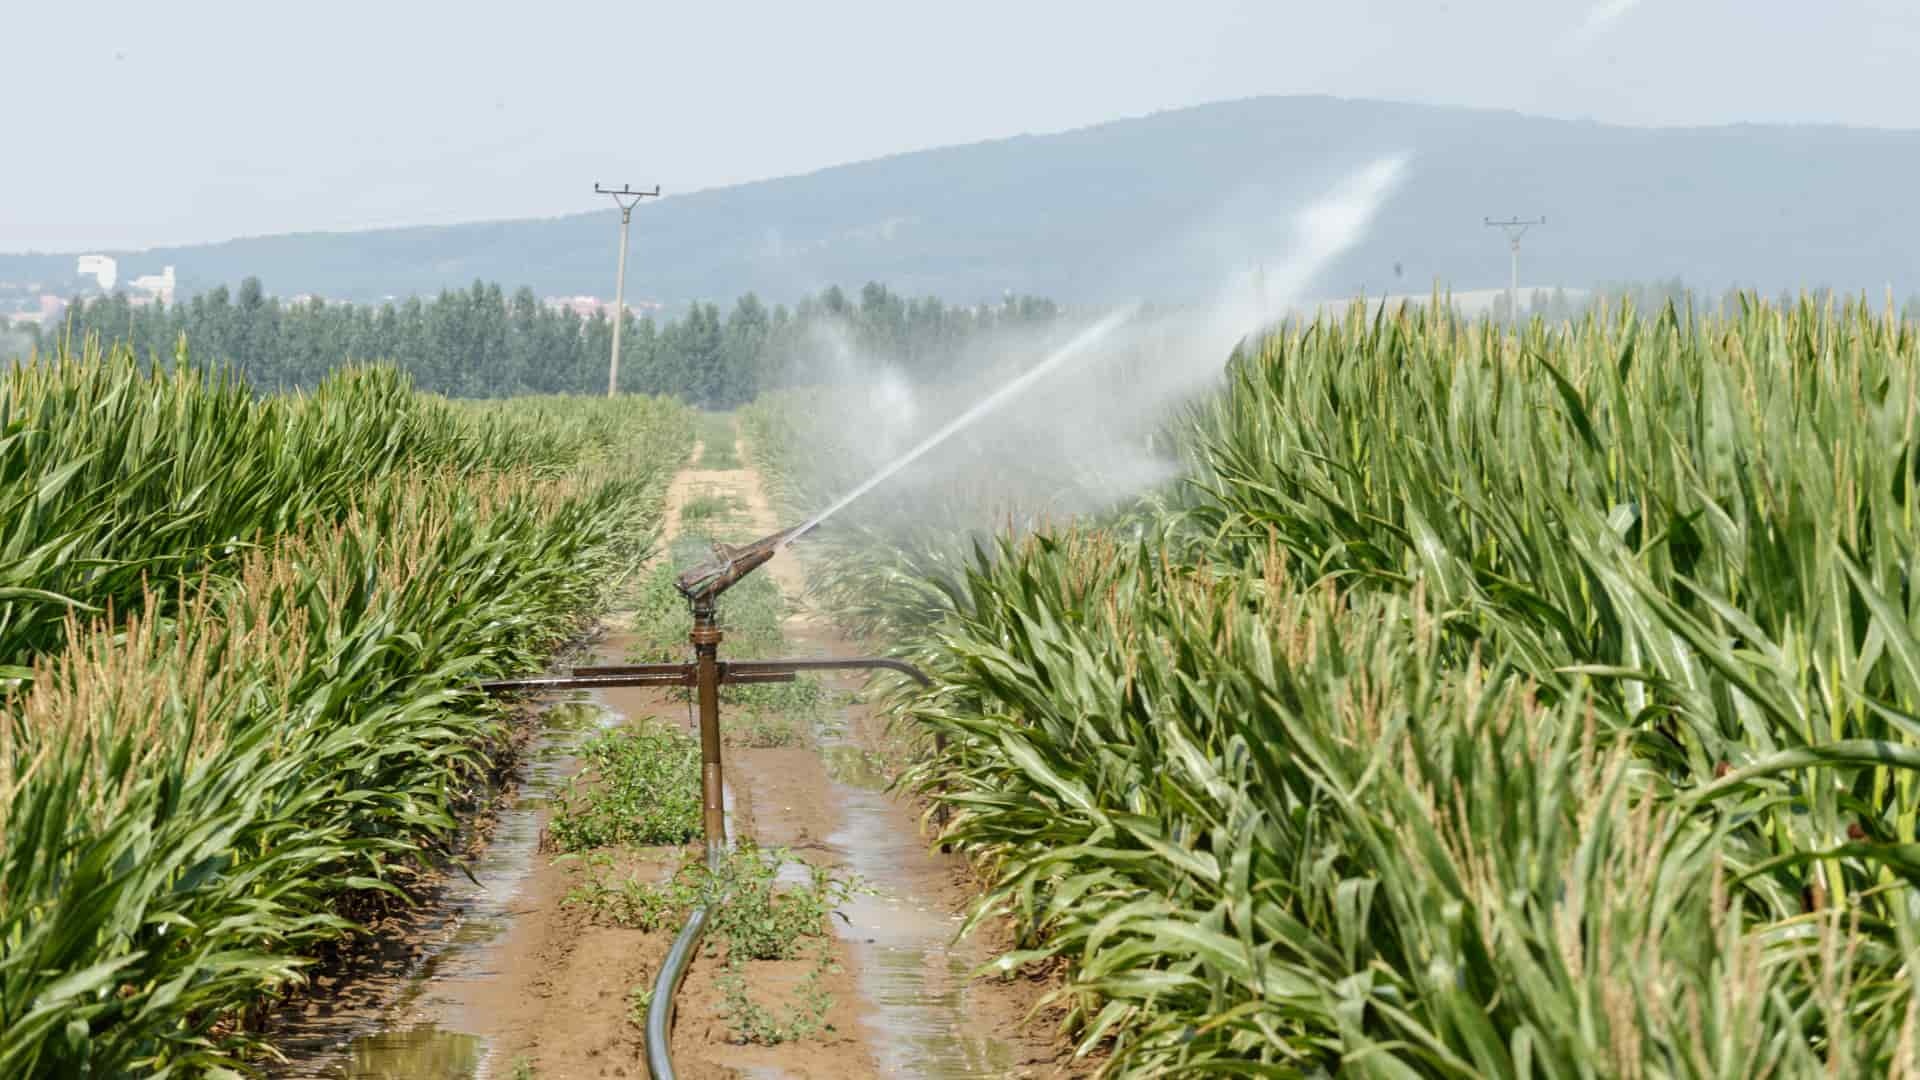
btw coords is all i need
(1040, 426)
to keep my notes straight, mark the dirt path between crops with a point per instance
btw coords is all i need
(553, 993)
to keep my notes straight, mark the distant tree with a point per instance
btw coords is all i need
(703, 356)
(743, 350)
(639, 356)
(521, 356)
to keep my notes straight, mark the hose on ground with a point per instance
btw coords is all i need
(660, 1009)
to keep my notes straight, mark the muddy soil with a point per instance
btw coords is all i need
(505, 979)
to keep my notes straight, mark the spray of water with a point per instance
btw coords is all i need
(1080, 344)
(1074, 430)
(873, 387)
(1326, 229)
(1601, 17)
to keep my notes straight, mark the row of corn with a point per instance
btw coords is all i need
(241, 634)
(1483, 703)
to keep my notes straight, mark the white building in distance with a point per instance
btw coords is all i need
(158, 286)
(101, 268)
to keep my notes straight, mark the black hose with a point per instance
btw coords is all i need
(660, 1009)
(666, 985)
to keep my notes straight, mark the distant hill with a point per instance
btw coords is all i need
(1160, 206)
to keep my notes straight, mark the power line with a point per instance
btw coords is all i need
(627, 198)
(1515, 228)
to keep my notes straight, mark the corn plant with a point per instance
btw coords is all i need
(1488, 703)
(244, 699)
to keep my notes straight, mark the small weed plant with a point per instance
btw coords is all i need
(641, 786)
(773, 714)
(751, 1021)
(761, 730)
(639, 1000)
(632, 903)
(756, 917)
(707, 506)
(761, 920)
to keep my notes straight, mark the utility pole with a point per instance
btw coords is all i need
(1515, 228)
(627, 198)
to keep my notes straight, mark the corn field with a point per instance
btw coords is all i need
(239, 636)
(1480, 704)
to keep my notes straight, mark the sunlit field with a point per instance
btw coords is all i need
(1479, 704)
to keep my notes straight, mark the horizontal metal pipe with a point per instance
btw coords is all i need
(739, 671)
(578, 682)
(858, 663)
(756, 668)
(595, 670)
(735, 678)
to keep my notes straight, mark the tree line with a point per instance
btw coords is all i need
(480, 342)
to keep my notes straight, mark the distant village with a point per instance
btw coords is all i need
(44, 303)
(24, 303)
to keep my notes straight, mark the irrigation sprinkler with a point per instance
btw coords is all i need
(706, 673)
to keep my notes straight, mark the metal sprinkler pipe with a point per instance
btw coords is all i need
(706, 637)
(706, 673)
(702, 586)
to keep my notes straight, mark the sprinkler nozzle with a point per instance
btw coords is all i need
(728, 565)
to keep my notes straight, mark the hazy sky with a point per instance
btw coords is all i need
(134, 124)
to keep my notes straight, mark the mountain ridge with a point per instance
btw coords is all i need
(1163, 203)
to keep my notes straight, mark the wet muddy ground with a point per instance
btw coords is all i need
(400, 1017)
(498, 977)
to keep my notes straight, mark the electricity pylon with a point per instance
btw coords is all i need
(1515, 229)
(628, 199)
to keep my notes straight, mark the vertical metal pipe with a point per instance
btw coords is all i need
(705, 637)
(706, 651)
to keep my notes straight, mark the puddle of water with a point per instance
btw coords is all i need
(923, 992)
(854, 767)
(421, 1053)
(911, 973)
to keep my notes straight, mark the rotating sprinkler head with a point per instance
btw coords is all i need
(703, 583)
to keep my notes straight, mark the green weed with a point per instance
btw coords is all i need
(751, 1021)
(639, 785)
(639, 1000)
(708, 505)
(754, 919)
